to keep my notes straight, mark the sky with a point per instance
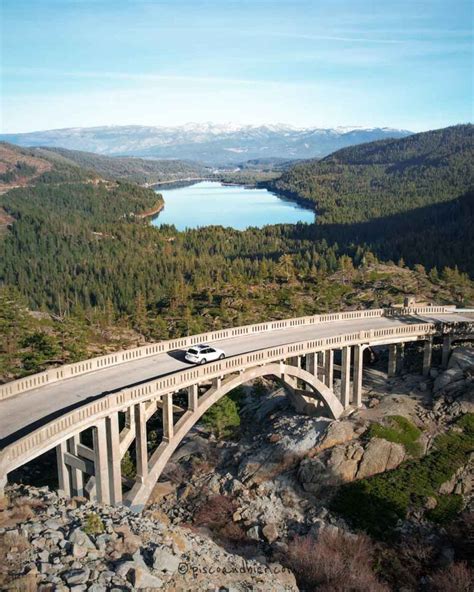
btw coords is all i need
(323, 63)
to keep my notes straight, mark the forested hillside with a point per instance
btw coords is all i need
(387, 177)
(410, 198)
(138, 170)
(79, 247)
(22, 166)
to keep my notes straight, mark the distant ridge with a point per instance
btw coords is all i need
(209, 143)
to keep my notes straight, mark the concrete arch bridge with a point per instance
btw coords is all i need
(91, 412)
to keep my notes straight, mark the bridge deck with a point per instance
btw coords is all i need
(25, 412)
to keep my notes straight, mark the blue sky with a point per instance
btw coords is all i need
(325, 63)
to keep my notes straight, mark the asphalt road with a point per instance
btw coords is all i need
(27, 411)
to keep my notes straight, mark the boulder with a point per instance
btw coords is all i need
(379, 456)
(76, 576)
(79, 537)
(141, 578)
(270, 532)
(446, 378)
(165, 561)
(338, 432)
(462, 358)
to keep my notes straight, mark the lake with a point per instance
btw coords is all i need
(210, 203)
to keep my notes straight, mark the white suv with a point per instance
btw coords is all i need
(200, 354)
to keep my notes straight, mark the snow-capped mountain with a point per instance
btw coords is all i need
(211, 143)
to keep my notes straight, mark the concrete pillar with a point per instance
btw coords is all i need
(358, 370)
(168, 426)
(113, 454)
(329, 368)
(292, 381)
(141, 446)
(311, 363)
(321, 366)
(64, 479)
(193, 396)
(392, 359)
(101, 462)
(77, 477)
(3, 484)
(216, 382)
(427, 353)
(345, 376)
(400, 357)
(447, 340)
(130, 417)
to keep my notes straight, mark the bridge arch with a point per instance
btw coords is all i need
(141, 491)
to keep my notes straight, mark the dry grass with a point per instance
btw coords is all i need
(458, 577)
(13, 549)
(335, 562)
(216, 513)
(18, 511)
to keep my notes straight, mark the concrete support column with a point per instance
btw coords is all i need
(427, 354)
(141, 446)
(392, 359)
(113, 454)
(345, 376)
(295, 361)
(216, 383)
(64, 478)
(329, 368)
(168, 426)
(311, 363)
(321, 366)
(130, 417)
(101, 462)
(400, 357)
(358, 370)
(3, 484)
(193, 396)
(77, 477)
(447, 340)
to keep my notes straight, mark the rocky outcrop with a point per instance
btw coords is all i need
(62, 549)
(344, 463)
(455, 386)
(379, 456)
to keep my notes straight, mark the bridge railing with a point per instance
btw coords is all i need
(66, 371)
(46, 437)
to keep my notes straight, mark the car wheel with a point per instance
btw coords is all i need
(222, 356)
(203, 361)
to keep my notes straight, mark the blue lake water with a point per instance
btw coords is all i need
(209, 203)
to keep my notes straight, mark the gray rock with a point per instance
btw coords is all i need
(142, 578)
(462, 358)
(447, 378)
(79, 537)
(76, 576)
(253, 533)
(165, 561)
(338, 432)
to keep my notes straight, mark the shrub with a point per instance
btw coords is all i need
(448, 507)
(377, 503)
(334, 562)
(94, 524)
(216, 514)
(223, 417)
(399, 430)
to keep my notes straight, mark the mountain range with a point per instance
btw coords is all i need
(212, 144)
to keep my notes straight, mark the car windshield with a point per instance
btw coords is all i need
(193, 351)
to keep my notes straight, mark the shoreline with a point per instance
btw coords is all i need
(153, 212)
